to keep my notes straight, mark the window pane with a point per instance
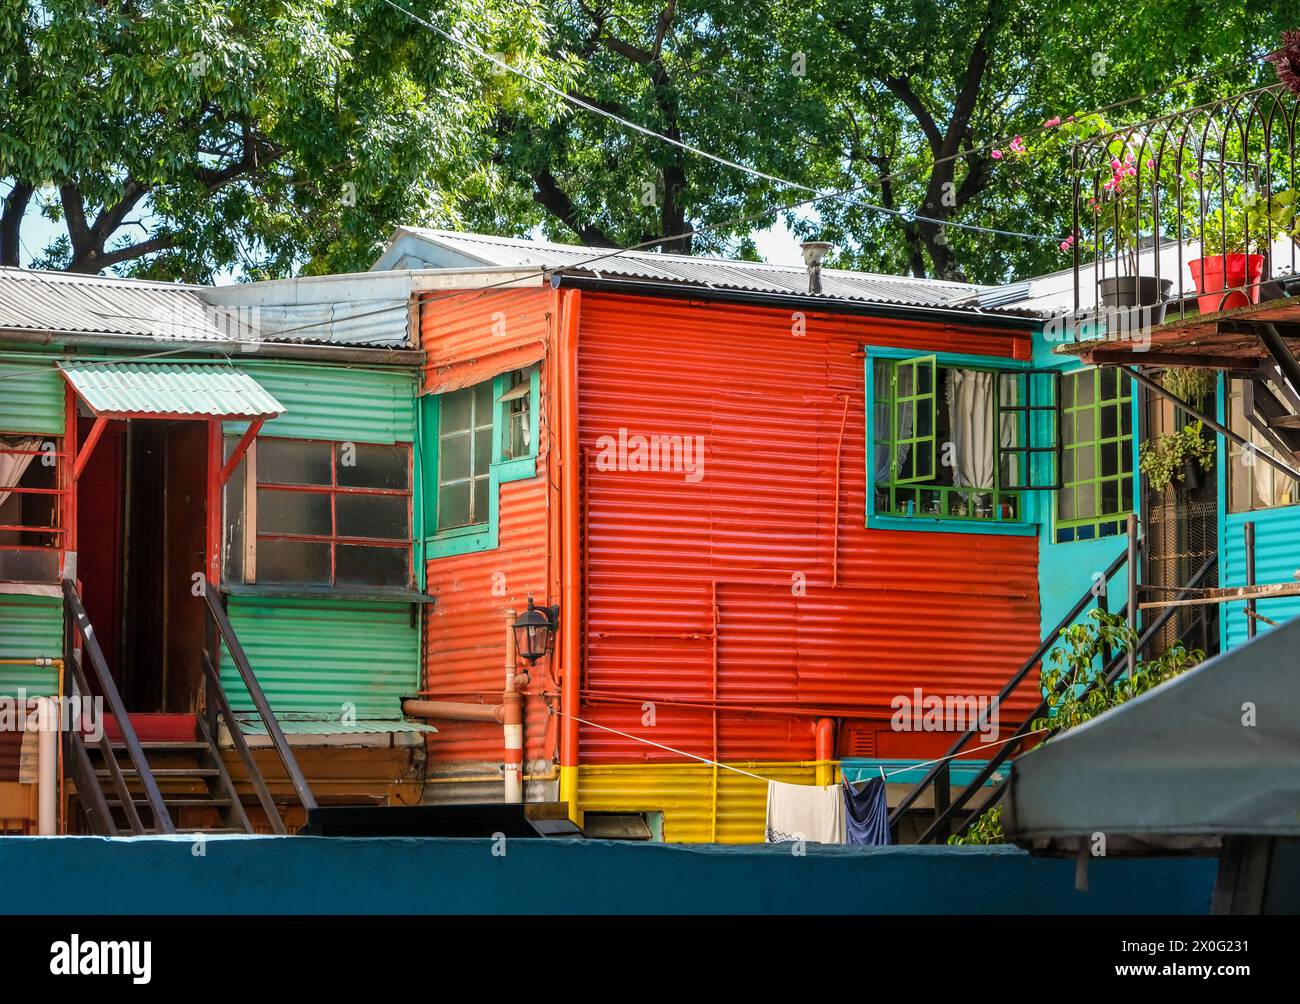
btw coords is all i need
(453, 505)
(483, 404)
(480, 500)
(293, 512)
(482, 450)
(371, 566)
(453, 458)
(374, 466)
(382, 516)
(455, 411)
(29, 566)
(293, 561)
(293, 461)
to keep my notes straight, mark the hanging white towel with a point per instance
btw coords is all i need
(811, 813)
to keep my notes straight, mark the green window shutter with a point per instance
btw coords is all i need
(1027, 406)
(912, 420)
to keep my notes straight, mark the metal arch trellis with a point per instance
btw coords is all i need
(1187, 167)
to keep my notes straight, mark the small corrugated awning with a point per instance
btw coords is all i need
(365, 726)
(169, 390)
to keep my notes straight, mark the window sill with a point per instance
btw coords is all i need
(939, 524)
(461, 540)
(310, 592)
(505, 471)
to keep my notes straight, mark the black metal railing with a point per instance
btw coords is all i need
(1189, 206)
(89, 791)
(942, 826)
(219, 630)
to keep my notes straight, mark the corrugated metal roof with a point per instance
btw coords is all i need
(33, 300)
(449, 249)
(170, 389)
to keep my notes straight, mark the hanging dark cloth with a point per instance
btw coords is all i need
(866, 813)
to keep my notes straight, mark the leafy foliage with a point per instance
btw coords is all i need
(179, 139)
(1076, 692)
(1162, 460)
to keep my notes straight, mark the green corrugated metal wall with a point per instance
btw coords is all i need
(31, 627)
(31, 397)
(331, 402)
(315, 656)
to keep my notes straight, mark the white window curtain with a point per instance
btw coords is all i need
(14, 465)
(970, 422)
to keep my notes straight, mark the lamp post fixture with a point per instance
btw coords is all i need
(535, 631)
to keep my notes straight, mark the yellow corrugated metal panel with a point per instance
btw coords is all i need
(684, 793)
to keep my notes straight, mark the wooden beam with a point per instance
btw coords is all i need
(83, 455)
(250, 434)
(1231, 594)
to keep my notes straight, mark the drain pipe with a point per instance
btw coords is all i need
(513, 720)
(47, 768)
(509, 714)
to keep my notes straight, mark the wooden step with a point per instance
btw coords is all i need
(160, 747)
(176, 772)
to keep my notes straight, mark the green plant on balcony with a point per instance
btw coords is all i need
(1175, 456)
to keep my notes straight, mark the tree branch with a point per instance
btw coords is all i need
(15, 207)
(551, 197)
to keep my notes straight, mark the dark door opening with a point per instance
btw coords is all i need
(141, 504)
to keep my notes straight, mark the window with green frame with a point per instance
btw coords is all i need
(1096, 495)
(934, 451)
(474, 440)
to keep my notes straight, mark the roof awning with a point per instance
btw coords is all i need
(169, 390)
(1211, 752)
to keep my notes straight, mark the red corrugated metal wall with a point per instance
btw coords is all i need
(470, 336)
(951, 613)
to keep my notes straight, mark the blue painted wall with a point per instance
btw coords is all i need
(1277, 551)
(380, 875)
(1065, 570)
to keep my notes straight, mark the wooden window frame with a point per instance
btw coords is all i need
(251, 533)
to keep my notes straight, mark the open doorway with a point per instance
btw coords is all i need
(141, 507)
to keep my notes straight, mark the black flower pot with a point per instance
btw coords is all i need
(1145, 291)
(1193, 476)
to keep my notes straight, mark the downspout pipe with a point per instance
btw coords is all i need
(570, 502)
(824, 751)
(512, 720)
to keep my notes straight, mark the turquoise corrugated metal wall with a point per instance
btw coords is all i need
(1277, 557)
(336, 402)
(31, 397)
(316, 657)
(30, 627)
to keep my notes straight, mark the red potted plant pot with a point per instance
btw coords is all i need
(1220, 280)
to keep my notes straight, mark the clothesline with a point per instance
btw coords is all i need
(765, 780)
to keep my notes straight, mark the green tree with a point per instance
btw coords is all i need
(180, 139)
(836, 94)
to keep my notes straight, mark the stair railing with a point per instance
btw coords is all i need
(218, 702)
(1111, 671)
(89, 790)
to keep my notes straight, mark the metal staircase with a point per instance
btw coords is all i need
(128, 787)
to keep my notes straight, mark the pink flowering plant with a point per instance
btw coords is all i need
(1120, 210)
